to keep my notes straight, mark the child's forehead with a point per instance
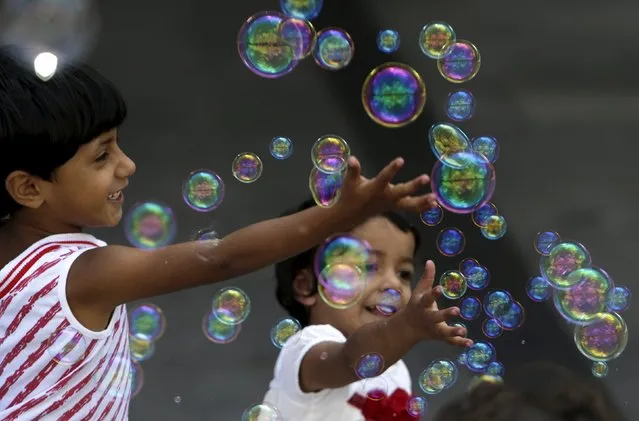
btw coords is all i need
(383, 235)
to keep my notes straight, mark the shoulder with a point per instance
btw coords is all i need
(310, 336)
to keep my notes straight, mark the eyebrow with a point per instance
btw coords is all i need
(405, 259)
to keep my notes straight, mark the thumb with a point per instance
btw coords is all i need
(353, 170)
(425, 284)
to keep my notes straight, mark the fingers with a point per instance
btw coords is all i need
(442, 316)
(386, 175)
(354, 168)
(459, 341)
(417, 204)
(404, 189)
(425, 285)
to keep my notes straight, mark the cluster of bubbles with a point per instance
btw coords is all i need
(584, 295)
(329, 156)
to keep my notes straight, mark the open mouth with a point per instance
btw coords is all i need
(116, 197)
(382, 310)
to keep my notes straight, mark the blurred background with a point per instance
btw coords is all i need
(557, 87)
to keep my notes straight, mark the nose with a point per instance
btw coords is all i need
(389, 280)
(126, 168)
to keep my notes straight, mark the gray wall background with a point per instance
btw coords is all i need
(557, 87)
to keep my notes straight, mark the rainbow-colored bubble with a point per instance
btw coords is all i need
(461, 64)
(147, 322)
(302, 9)
(150, 225)
(604, 338)
(247, 167)
(203, 190)
(334, 49)
(330, 154)
(388, 41)
(436, 39)
(231, 305)
(453, 284)
(563, 259)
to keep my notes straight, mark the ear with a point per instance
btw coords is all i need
(303, 287)
(25, 189)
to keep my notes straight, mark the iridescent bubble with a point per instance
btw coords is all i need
(538, 289)
(416, 406)
(342, 248)
(496, 368)
(388, 41)
(342, 285)
(281, 147)
(393, 95)
(479, 356)
(497, 303)
(389, 302)
(563, 259)
(618, 298)
(487, 146)
(450, 242)
(369, 365)
(453, 284)
(446, 141)
(467, 264)
(247, 167)
(330, 154)
(604, 339)
(231, 305)
(495, 228)
(461, 64)
(436, 39)
(599, 369)
(438, 376)
(491, 328)
(140, 349)
(586, 297)
(67, 346)
(375, 388)
(262, 412)
(137, 378)
(203, 190)
(477, 277)
(512, 317)
(464, 189)
(432, 217)
(302, 9)
(334, 49)
(470, 308)
(206, 234)
(262, 48)
(283, 330)
(216, 331)
(462, 358)
(300, 35)
(545, 241)
(460, 105)
(481, 214)
(325, 188)
(150, 225)
(147, 322)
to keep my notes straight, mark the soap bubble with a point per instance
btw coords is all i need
(369, 365)
(495, 227)
(461, 64)
(150, 225)
(599, 369)
(436, 39)
(281, 147)
(491, 328)
(140, 349)
(453, 284)
(562, 260)
(438, 376)
(460, 105)
(416, 406)
(496, 368)
(342, 248)
(487, 146)
(261, 412)
(388, 41)
(231, 305)
(330, 154)
(470, 308)
(545, 241)
(467, 264)
(512, 316)
(147, 322)
(334, 49)
(538, 289)
(481, 214)
(283, 330)
(477, 277)
(247, 167)
(299, 35)
(604, 339)
(342, 285)
(497, 303)
(432, 216)
(446, 141)
(479, 356)
(450, 242)
(216, 331)
(618, 299)
(325, 188)
(585, 298)
(203, 190)
(302, 9)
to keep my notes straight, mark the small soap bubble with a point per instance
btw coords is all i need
(325, 188)
(369, 365)
(487, 146)
(417, 406)
(334, 49)
(461, 325)
(432, 217)
(495, 228)
(216, 331)
(177, 399)
(470, 308)
(604, 339)
(330, 154)
(388, 41)
(438, 376)
(479, 356)
(538, 289)
(481, 214)
(497, 302)
(67, 346)
(446, 141)
(453, 284)
(299, 35)
(462, 358)
(467, 264)
(477, 277)
(465, 188)
(618, 298)
(496, 368)
(342, 249)
(137, 378)
(283, 330)
(247, 167)
(436, 39)
(375, 388)
(450, 242)
(206, 234)
(262, 412)
(141, 350)
(147, 322)
(203, 190)
(231, 305)
(393, 95)
(491, 328)
(341, 285)
(585, 298)
(460, 105)
(563, 259)
(461, 64)
(281, 147)
(302, 9)
(512, 317)
(390, 302)
(150, 225)
(599, 369)
(545, 241)
(262, 48)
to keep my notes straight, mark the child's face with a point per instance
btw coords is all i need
(393, 250)
(84, 191)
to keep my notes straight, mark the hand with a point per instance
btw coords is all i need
(425, 320)
(361, 196)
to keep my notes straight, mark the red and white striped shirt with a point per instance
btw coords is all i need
(52, 367)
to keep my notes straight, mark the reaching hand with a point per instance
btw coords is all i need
(425, 319)
(370, 197)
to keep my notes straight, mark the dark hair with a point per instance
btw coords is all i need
(286, 270)
(44, 123)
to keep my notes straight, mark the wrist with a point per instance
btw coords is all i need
(403, 329)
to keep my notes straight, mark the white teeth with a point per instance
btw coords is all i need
(115, 196)
(388, 310)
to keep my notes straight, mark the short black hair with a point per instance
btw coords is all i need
(287, 270)
(44, 123)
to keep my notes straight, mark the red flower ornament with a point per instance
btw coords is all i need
(377, 406)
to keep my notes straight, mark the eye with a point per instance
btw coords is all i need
(406, 275)
(102, 157)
